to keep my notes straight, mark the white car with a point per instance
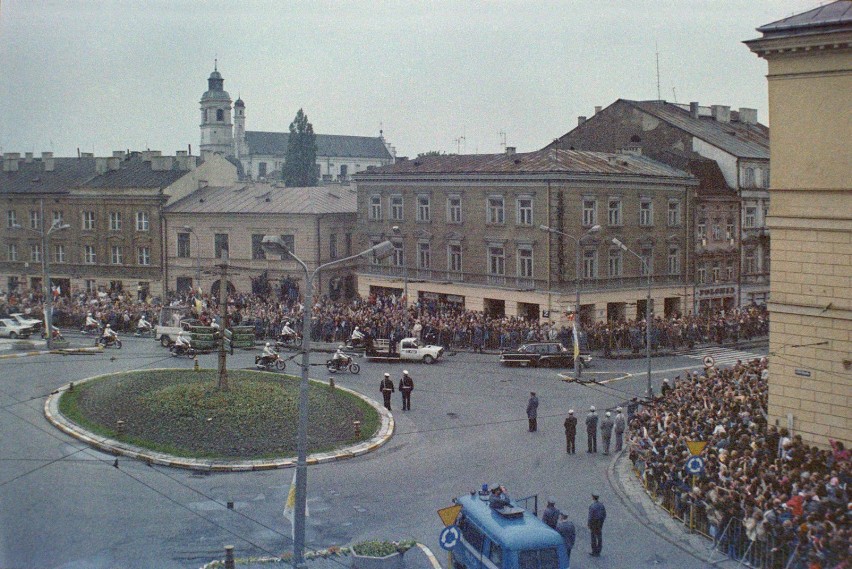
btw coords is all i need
(25, 320)
(12, 329)
(409, 349)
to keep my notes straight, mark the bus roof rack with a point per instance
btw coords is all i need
(511, 512)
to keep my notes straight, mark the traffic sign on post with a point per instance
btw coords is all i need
(695, 447)
(695, 465)
(449, 537)
(449, 514)
(709, 361)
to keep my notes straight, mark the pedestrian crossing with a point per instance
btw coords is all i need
(724, 356)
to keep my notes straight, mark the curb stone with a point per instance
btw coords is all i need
(118, 448)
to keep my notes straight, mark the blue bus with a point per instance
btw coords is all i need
(508, 538)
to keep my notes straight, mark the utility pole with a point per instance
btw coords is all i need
(223, 316)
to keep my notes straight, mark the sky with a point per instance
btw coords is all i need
(452, 76)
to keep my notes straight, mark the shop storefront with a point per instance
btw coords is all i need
(713, 299)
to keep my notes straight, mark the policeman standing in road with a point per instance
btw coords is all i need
(620, 427)
(386, 387)
(592, 429)
(597, 515)
(406, 386)
(570, 432)
(532, 412)
(566, 529)
(550, 516)
(606, 431)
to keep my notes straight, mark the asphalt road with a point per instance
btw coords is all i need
(65, 505)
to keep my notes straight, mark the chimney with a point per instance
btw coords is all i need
(181, 153)
(147, 155)
(100, 166)
(721, 113)
(633, 149)
(118, 153)
(748, 116)
(580, 120)
(47, 159)
(10, 161)
(28, 157)
(510, 150)
(87, 155)
(598, 109)
(693, 109)
(161, 163)
(113, 163)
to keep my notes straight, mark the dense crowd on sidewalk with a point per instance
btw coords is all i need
(387, 317)
(790, 500)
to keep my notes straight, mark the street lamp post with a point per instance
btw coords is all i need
(577, 281)
(57, 225)
(274, 245)
(649, 318)
(397, 231)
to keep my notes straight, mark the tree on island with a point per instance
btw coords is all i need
(300, 166)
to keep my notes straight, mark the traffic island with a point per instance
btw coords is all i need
(178, 417)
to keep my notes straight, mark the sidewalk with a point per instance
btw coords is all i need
(418, 557)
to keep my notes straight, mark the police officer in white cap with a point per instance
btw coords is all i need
(592, 429)
(620, 427)
(406, 386)
(570, 432)
(386, 387)
(606, 430)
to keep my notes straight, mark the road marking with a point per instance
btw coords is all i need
(724, 356)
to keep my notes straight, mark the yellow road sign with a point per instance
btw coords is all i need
(695, 447)
(449, 514)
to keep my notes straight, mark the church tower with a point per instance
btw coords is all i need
(240, 147)
(217, 134)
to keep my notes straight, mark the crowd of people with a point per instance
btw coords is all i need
(763, 491)
(388, 317)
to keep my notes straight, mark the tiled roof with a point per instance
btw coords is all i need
(32, 178)
(275, 143)
(736, 138)
(135, 173)
(831, 17)
(544, 161)
(267, 198)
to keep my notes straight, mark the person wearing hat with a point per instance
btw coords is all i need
(620, 427)
(406, 386)
(386, 387)
(597, 516)
(666, 388)
(606, 431)
(532, 412)
(570, 432)
(566, 529)
(550, 515)
(592, 429)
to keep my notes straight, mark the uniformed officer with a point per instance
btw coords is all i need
(406, 386)
(597, 516)
(532, 412)
(592, 429)
(620, 427)
(386, 387)
(570, 432)
(606, 431)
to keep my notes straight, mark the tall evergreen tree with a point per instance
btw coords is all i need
(300, 166)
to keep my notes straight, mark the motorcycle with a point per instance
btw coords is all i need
(57, 335)
(346, 364)
(90, 330)
(288, 341)
(269, 363)
(144, 331)
(108, 342)
(177, 350)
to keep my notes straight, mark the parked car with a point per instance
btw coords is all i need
(12, 329)
(24, 320)
(544, 354)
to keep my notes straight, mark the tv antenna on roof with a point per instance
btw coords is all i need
(657, 48)
(502, 135)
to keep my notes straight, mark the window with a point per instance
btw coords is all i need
(424, 208)
(749, 178)
(398, 257)
(332, 246)
(11, 218)
(750, 262)
(35, 252)
(454, 257)
(184, 250)
(289, 242)
(646, 213)
(614, 211)
(373, 259)
(35, 219)
(729, 270)
(58, 217)
(89, 256)
(424, 256)
(765, 178)
(765, 214)
(91, 286)
(496, 210)
(116, 255)
(730, 230)
(538, 559)
(525, 211)
(647, 266)
(590, 212)
(59, 253)
(220, 115)
(454, 209)
(496, 260)
(472, 535)
(674, 261)
(261, 169)
(615, 262)
(257, 251)
(717, 271)
(220, 245)
(495, 554)
(143, 255)
(750, 217)
(701, 273)
(590, 264)
(115, 221)
(717, 231)
(88, 220)
(525, 261)
(141, 221)
(12, 252)
(375, 207)
(701, 231)
(674, 213)
(348, 244)
(396, 208)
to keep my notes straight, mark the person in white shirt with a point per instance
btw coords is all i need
(287, 332)
(357, 337)
(91, 322)
(143, 325)
(268, 356)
